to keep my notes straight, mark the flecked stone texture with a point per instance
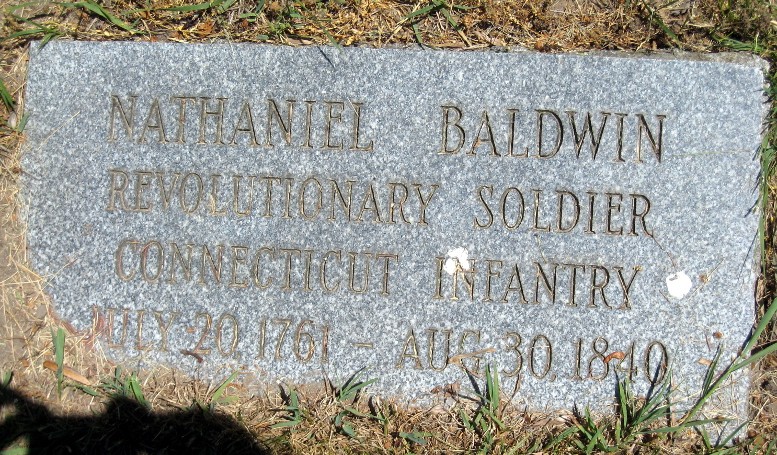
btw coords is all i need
(296, 213)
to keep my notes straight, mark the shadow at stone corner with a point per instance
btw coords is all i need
(125, 427)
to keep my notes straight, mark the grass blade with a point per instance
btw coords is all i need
(417, 34)
(656, 19)
(59, 358)
(22, 123)
(16, 451)
(49, 33)
(223, 387)
(425, 10)
(466, 420)
(727, 439)
(772, 347)
(450, 19)
(561, 437)
(762, 324)
(684, 426)
(87, 390)
(224, 6)
(137, 391)
(196, 7)
(286, 424)
(6, 96)
(36, 29)
(352, 387)
(101, 12)
(415, 437)
(348, 430)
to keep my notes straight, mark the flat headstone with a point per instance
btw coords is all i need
(300, 213)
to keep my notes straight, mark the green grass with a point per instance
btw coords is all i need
(434, 7)
(59, 358)
(347, 395)
(33, 31)
(416, 437)
(653, 416)
(638, 422)
(8, 100)
(486, 422)
(295, 414)
(219, 396)
(655, 18)
(121, 385)
(6, 378)
(95, 9)
(221, 6)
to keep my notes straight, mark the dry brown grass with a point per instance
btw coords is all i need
(27, 319)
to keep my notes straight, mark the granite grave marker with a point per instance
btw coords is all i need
(298, 212)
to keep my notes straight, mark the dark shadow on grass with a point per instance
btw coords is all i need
(125, 427)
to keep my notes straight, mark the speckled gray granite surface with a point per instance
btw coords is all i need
(301, 213)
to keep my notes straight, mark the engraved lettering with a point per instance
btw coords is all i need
(537, 215)
(120, 271)
(639, 214)
(626, 286)
(245, 125)
(352, 273)
(127, 120)
(198, 184)
(559, 129)
(345, 203)
(207, 112)
(166, 191)
(571, 222)
(159, 261)
(119, 182)
(370, 204)
(447, 124)
(598, 286)
(289, 252)
(214, 198)
(215, 264)
(514, 284)
(258, 270)
(490, 222)
(519, 211)
(614, 207)
(655, 144)
(334, 115)
(177, 258)
(549, 285)
(395, 203)
(318, 198)
(154, 122)
(409, 351)
(357, 110)
(424, 201)
(490, 275)
(139, 337)
(274, 113)
(164, 328)
(489, 139)
(180, 136)
(432, 347)
(239, 258)
(324, 277)
(588, 130)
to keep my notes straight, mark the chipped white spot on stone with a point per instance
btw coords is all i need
(456, 256)
(678, 284)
